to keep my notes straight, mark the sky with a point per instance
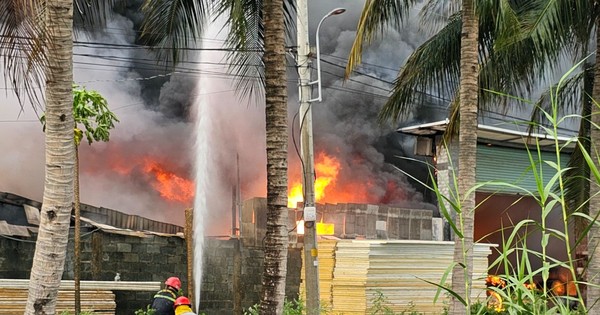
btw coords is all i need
(159, 118)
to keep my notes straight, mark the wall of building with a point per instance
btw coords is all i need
(350, 220)
(236, 286)
(231, 272)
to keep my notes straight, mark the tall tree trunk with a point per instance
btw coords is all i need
(77, 237)
(50, 251)
(469, 91)
(593, 272)
(276, 242)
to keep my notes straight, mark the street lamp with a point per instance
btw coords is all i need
(333, 12)
(306, 146)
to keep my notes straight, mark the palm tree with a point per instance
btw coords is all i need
(90, 109)
(518, 43)
(51, 35)
(467, 141)
(257, 38)
(374, 17)
(593, 272)
(49, 257)
(276, 241)
(37, 45)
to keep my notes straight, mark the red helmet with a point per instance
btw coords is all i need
(182, 300)
(174, 282)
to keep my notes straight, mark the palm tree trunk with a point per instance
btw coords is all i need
(50, 251)
(593, 272)
(77, 238)
(469, 91)
(276, 242)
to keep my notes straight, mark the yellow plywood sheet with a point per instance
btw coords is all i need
(395, 269)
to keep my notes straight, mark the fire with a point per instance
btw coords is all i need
(327, 169)
(321, 228)
(168, 184)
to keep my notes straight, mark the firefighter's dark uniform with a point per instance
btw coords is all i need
(163, 302)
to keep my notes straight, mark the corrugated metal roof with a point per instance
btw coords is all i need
(494, 135)
(20, 216)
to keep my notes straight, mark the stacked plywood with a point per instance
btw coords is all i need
(326, 265)
(12, 301)
(398, 269)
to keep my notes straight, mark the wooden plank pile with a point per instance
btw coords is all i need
(353, 273)
(397, 270)
(12, 301)
(326, 265)
(96, 296)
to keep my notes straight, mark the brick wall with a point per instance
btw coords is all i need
(236, 286)
(231, 273)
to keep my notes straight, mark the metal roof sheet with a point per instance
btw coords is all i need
(494, 135)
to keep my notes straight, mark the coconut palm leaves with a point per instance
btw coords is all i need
(257, 46)
(22, 46)
(37, 50)
(171, 35)
(171, 25)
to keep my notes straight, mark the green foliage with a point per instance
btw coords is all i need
(294, 307)
(90, 109)
(514, 290)
(380, 305)
(147, 311)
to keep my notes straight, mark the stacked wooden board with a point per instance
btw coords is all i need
(96, 296)
(398, 271)
(326, 250)
(12, 301)
(353, 273)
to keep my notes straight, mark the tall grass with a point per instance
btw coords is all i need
(521, 274)
(517, 288)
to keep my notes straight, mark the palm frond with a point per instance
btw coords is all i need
(22, 32)
(434, 65)
(569, 96)
(90, 14)
(170, 26)
(376, 17)
(554, 24)
(435, 13)
(245, 41)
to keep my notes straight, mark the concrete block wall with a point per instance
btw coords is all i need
(151, 258)
(350, 220)
(231, 272)
(233, 275)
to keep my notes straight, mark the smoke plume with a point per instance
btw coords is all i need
(154, 105)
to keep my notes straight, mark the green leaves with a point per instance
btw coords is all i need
(90, 109)
(171, 26)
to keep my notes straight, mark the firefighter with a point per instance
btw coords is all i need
(164, 300)
(183, 306)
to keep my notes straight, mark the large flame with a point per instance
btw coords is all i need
(327, 169)
(168, 184)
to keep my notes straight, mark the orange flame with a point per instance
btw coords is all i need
(321, 228)
(327, 169)
(168, 184)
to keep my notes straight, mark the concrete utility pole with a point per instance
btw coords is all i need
(311, 263)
